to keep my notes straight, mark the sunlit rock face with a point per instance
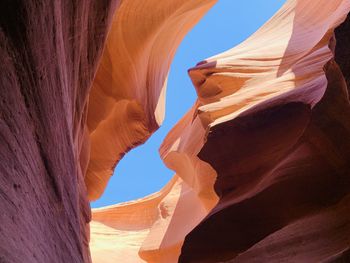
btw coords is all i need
(261, 161)
(126, 105)
(127, 99)
(279, 129)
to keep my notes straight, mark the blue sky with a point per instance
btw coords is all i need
(141, 171)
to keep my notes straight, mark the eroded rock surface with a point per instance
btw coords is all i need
(127, 100)
(49, 51)
(261, 160)
(282, 162)
(267, 130)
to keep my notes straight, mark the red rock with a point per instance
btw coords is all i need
(297, 182)
(261, 160)
(49, 51)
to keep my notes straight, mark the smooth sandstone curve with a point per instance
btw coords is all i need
(261, 160)
(127, 105)
(127, 99)
(255, 105)
(276, 141)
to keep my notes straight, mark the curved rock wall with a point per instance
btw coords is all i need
(49, 51)
(266, 134)
(261, 160)
(127, 100)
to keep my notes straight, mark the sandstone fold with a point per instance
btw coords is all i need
(127, 99)
(261, 160)
(133, 73)
(278, 119)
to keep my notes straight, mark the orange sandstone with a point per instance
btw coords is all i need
(261, 160)
(254, 118)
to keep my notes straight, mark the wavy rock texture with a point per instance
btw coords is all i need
(270, 125)
(261, 160)
(127, 98)
(151, 229)
(49, 52)
(278, 117)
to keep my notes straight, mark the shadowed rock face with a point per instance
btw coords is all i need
(283, 179)
(49, 52)
(342, 50)
(298, 174)
(261, 160)
(127, 99)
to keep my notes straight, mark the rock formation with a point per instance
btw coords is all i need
(261, 160)
(127, 97)
(49, 52)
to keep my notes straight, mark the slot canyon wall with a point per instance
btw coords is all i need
(261, 160)
(49, 52)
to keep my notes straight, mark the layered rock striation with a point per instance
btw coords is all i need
(49, 52)
(266, 133)
(278, 142)
(261, 160)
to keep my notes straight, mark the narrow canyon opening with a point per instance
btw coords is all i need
(141, 171)
(261, 159)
